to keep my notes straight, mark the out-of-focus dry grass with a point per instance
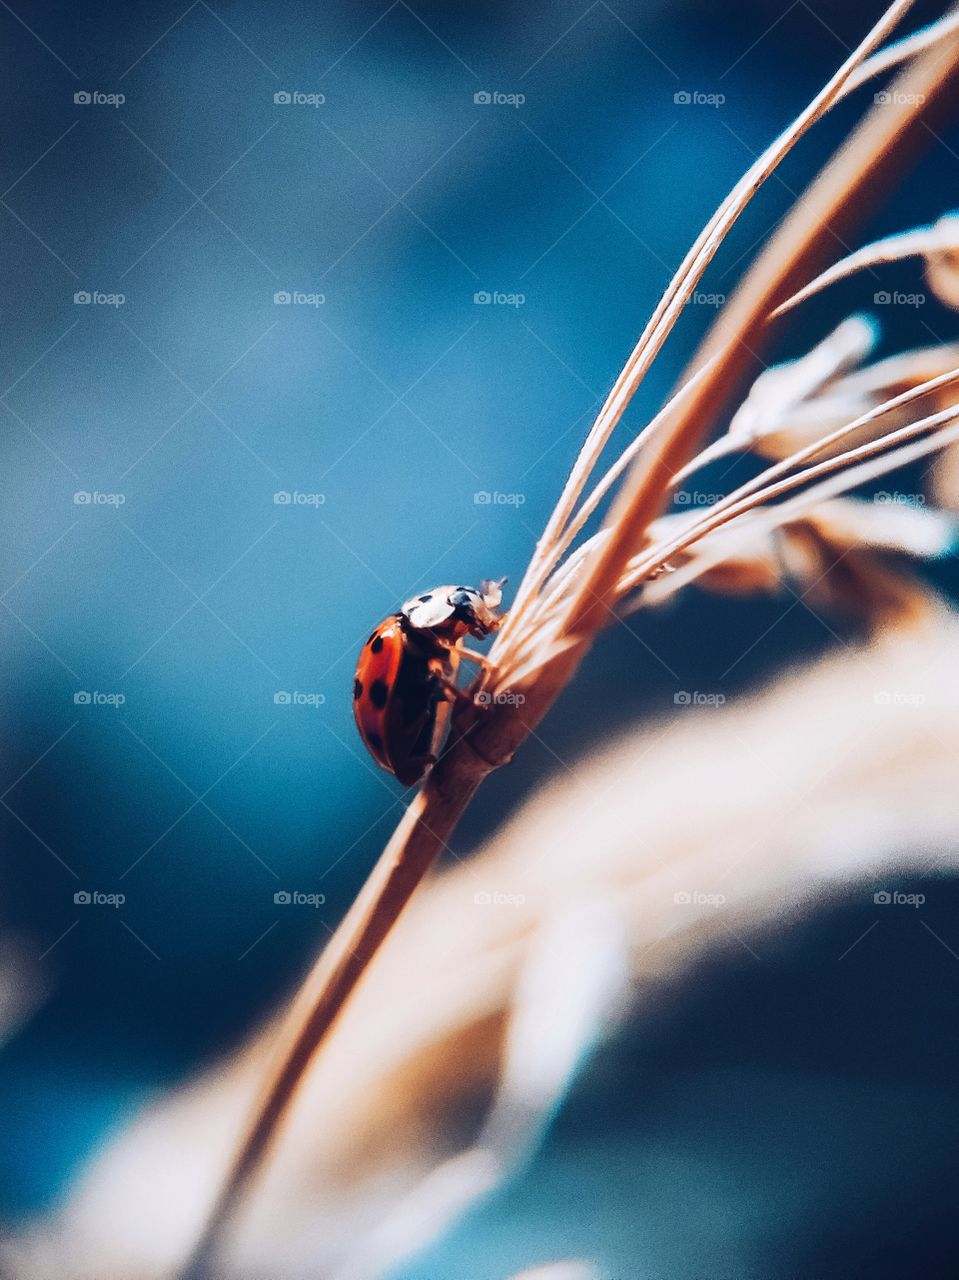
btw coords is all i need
(777, 802)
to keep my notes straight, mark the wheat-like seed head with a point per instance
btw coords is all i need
(824, 407)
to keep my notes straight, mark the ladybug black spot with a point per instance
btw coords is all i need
(378, 694)
(357, 689)
(373, 639)
(376, 644)
(424, 599)
(375, 741)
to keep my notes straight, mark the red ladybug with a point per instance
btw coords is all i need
(406, 672)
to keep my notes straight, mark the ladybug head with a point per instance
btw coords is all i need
(453, 611)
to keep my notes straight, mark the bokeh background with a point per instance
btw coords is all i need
(795, 1110)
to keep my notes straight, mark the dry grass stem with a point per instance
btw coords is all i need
(739, 330)
(562, 604)
(674, 299)
(941, 240)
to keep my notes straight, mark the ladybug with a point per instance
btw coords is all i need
(405, 677)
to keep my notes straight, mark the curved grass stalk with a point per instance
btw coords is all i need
(763, 486)
(942, 237)
(566, 538)
(485, 738)
(763, 489)
(886, 60)
(659, 555)
(799, 505)
(907, 47)
(738, 332)
(674, 299)
(726, 444)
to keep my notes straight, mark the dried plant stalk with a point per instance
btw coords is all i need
(730, 349)
(485, 739)
(671, 305)
(938, 241)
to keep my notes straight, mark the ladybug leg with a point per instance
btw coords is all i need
(442, 682)
(452, 693)
(480, 659)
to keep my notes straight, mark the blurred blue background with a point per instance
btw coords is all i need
(183, 586)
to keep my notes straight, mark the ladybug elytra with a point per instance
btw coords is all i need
(406, 673)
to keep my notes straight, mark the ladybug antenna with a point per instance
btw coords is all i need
(491, 590)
